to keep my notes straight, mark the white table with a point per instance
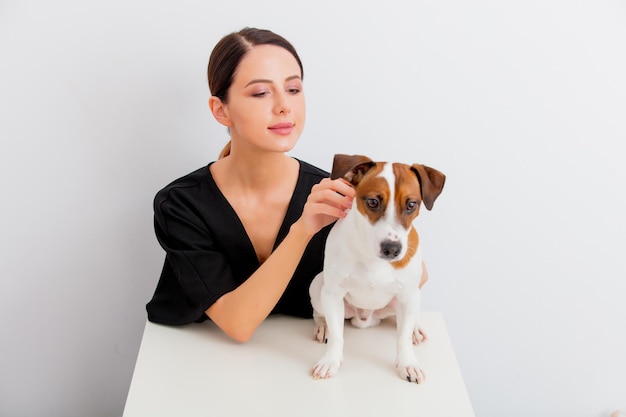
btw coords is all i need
(196, 370)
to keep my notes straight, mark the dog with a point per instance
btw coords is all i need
(373, 261)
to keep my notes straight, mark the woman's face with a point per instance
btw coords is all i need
(266, 107)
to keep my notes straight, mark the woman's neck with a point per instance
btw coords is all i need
(262, 172)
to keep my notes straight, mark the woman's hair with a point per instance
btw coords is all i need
(229, 52)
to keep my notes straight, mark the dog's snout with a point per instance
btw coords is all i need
(390, 249)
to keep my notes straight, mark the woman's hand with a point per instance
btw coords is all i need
(328, 201)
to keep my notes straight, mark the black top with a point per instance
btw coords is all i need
(208, 252)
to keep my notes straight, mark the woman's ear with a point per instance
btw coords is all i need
(219, 110)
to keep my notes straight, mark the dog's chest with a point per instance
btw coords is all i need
(372, 288)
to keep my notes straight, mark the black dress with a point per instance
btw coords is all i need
(208, 252)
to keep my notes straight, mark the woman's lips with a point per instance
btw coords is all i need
(282, 128)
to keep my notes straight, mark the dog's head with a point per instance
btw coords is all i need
(389, 197)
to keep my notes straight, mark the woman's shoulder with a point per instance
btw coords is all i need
(188, 185)
(312, 171)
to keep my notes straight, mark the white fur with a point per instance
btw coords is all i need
(359, 285)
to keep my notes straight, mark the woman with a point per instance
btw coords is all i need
(244, 237)
(241, 235)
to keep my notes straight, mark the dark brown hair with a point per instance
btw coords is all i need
(229, 52)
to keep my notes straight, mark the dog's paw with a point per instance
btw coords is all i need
(326, 368)
(363, 322)
(320, 333)
(411, 372)
(419, 335)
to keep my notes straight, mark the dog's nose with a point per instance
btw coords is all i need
(390, 249)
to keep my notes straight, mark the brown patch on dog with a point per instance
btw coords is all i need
(351, 168)
(412, 244)
(376, 187)
(431, 183)
(407, 190)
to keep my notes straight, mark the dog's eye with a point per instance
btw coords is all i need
(411, 206)
(372, 203)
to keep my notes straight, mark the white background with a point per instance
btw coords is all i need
(521, 103)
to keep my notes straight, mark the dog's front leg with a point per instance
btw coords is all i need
(406, 361)
(333, 310)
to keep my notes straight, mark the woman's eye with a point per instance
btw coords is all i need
(260, 94)
(411, 206)
(372, 203)
(293, 90)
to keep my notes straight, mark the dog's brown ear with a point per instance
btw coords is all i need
(350, 167)
(431, 183)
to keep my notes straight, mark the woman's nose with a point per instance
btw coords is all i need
(282, 104)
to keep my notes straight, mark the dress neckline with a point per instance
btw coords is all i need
(229, 210)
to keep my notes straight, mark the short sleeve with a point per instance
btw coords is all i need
(196, 272)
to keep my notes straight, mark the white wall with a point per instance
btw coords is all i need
(522, 104)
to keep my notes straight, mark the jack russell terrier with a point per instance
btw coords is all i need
(373, 260)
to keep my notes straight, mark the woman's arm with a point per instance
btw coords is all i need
(424, 277)
(240, 312)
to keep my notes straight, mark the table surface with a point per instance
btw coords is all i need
(196, 370)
